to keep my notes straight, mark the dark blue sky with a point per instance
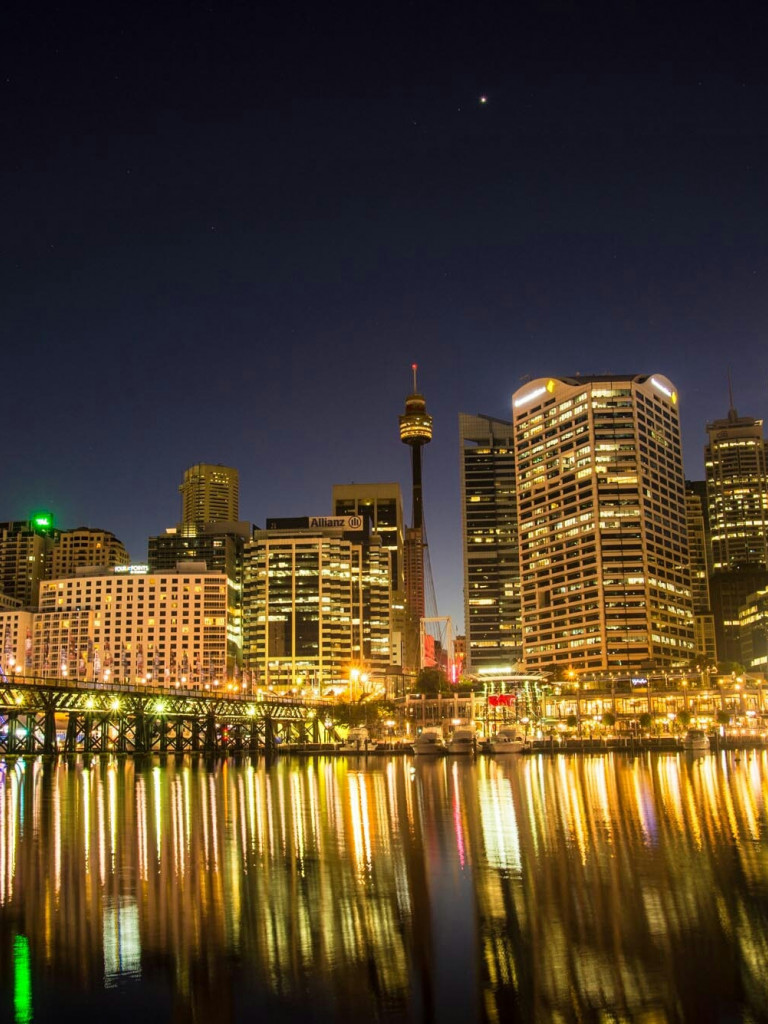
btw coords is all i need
(228, 232)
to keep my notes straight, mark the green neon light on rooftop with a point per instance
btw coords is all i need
(43, 519)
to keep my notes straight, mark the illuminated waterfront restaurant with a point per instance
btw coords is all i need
(129, 625)
(602, 523)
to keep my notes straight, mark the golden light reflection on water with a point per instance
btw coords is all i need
(537, 889)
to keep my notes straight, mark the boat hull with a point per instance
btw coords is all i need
(509, 747)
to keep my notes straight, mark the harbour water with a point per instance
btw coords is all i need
(538, 888)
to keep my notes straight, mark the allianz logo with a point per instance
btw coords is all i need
(337, 522)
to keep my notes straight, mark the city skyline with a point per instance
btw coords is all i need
(444, 534)
(230, 233)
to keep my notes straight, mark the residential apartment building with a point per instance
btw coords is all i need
(490, 544)
(84, 547)
(25, 554)
(602, 523)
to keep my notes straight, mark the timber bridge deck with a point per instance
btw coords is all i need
(53, 716)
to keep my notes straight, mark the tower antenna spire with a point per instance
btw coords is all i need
(732, 414)
(414, 367)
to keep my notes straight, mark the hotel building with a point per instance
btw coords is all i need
(490, 544)
(134, 626)
(602, 524)
(17, 641)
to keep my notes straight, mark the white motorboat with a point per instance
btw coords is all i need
(507, 741)
(463, 740)
(358, 741)
(696, 740)
(430, 741)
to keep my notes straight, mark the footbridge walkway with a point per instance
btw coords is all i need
(51, 716)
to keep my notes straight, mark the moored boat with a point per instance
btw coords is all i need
(463, 740)
(507, 741)
(696, 740)
(430, 741)
(357, 742)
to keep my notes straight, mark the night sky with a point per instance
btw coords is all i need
(229, 229)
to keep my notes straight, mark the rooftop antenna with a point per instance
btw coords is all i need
(414, 368)
(732, 414)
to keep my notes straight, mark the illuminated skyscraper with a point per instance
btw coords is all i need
(737, 492)
(489, 532)
(210, 494)
(382, 505)
(737, 497)
(315, 604)
(602, 523)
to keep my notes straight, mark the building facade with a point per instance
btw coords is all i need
(490, 544)
(167, 628)
(220, 547)
(84, 547)
(382, 505)
(602, 524)
(700, 561)
(753, 631)
(737, 504)
(315, 605)
(17, 639)
(210, 494)
(737, 492)
(25, 556)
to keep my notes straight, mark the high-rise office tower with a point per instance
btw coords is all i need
(85, 547)
(210, 494)
(700, 561)
(489, 532)
(737, 498)
(382, 505)
(415, 431)
(315, 604)
(25, 553)
(737, 492)
(602, 523)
